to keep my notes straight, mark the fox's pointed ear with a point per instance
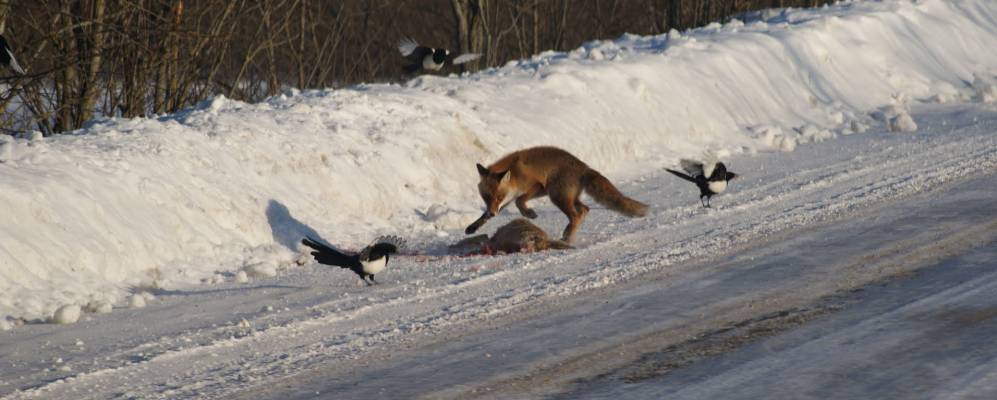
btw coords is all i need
(482, 170)
(502, 176)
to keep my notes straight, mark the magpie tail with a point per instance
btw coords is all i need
(681, 175)
(314, 244)
(328, 255)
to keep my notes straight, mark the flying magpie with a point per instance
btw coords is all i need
(711, 181)
(428, 58)
(7, 57)
(371, 260)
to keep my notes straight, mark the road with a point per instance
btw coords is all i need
(893, 302)
(685, 301)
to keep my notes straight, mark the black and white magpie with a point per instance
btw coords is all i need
(7, 57)
(429, 58)
(370, 261)
(711, 179)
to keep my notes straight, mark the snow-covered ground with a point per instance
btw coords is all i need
(845, 113)
(314, 328)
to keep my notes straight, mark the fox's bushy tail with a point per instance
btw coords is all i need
(603, 191)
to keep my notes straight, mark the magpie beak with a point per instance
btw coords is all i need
(428, 58)
(368, 262)
(710, 180)
(7, 57)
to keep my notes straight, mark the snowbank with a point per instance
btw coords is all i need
(229, 187)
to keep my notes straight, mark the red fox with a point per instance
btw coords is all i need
(548, 171)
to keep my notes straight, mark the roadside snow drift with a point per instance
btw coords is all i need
(229, 188)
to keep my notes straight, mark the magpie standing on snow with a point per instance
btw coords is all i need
(710, 181)
(371, 260)
(7, 57)
(429, 58)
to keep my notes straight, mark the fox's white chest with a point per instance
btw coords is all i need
(509, 198)
(717, 186)
(374, 267)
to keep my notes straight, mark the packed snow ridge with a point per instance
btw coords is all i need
(104, 216)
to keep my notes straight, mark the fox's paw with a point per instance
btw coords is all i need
(529, 213)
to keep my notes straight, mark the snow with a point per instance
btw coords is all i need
(260, 270)
(6, 149)
(165, 220)
(67, 314)
(902, 123)
(98, 307)
(136, 301)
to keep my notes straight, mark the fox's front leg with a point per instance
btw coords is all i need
(535, 191)
(477, 223)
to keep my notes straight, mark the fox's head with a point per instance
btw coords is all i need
(493, 187)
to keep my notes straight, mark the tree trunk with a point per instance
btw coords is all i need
(536, 29)
(161, 53)
(91, 59)
(674, 15)
(174, 71)
(471, 35)
(300, 67)
(65, 84)
(4, 12)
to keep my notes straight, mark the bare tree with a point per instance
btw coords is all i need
(140, 57)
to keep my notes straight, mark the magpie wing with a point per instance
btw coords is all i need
(329, 256)
(411, 50)
(681, 175)
(383, 245)
(731, 175)
(463, 58)
(719, 171)
(406, 46)
(14, 65)
(7, 57)
(386, 248)
(693, 168)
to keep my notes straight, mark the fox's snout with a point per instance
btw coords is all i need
(492, 207)
(493, 199)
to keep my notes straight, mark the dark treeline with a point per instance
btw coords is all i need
(142, 57)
